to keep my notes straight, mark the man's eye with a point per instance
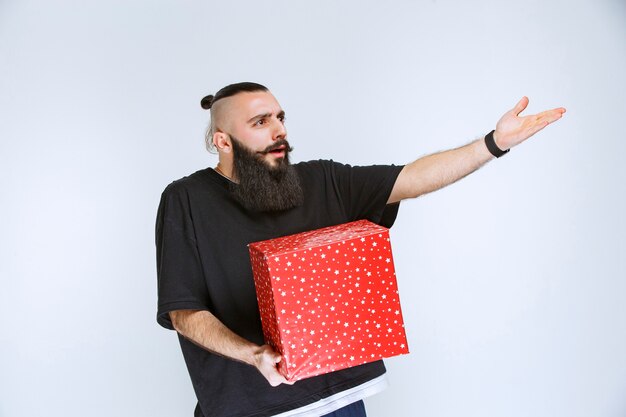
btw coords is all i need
(259, 122)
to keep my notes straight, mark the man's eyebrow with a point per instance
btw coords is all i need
(264, 115)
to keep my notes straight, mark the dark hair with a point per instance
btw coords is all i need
(231, 90)
(228, 91)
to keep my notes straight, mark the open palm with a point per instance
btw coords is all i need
(512, 129)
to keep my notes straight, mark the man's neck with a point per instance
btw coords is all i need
(225, 171)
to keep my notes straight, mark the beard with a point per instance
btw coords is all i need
(263, 187)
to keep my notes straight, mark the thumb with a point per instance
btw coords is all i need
(520, 106)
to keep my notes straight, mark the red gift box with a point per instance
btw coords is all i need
(328, 298)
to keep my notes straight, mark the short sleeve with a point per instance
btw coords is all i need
(365, 191)
(181, 283)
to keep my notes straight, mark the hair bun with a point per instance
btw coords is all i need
(207, 102)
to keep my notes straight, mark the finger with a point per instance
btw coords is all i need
(558, 112)
(275, 378)
(270, 354)
(275, 382)
(520, 106)
(286, 381)
(550, 115)
(282, 381)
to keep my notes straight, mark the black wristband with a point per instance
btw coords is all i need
(491, 145)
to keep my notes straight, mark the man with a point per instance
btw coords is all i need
(206, 220)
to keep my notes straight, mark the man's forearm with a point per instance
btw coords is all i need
(205, 330)
(433, 172)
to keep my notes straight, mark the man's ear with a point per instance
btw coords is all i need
(222, 142)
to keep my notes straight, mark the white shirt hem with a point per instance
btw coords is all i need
(339, 400)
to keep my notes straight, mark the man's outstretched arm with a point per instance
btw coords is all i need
(435, 171)
(205, 330)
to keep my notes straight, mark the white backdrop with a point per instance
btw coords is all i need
(513, 281)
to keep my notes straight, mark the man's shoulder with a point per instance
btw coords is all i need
(324, 168)
(191, 181)
(341, 167)
(317, 164)
(311, 163)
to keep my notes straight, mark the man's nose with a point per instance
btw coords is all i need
(279, 131)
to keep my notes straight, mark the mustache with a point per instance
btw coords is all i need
(278, 144)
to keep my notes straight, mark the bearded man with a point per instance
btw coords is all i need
(206, 220)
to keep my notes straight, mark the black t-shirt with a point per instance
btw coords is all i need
(203, 263)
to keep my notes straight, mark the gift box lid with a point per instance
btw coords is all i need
(318, 237)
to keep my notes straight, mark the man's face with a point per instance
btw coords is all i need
(260, 154)
(258, 122)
